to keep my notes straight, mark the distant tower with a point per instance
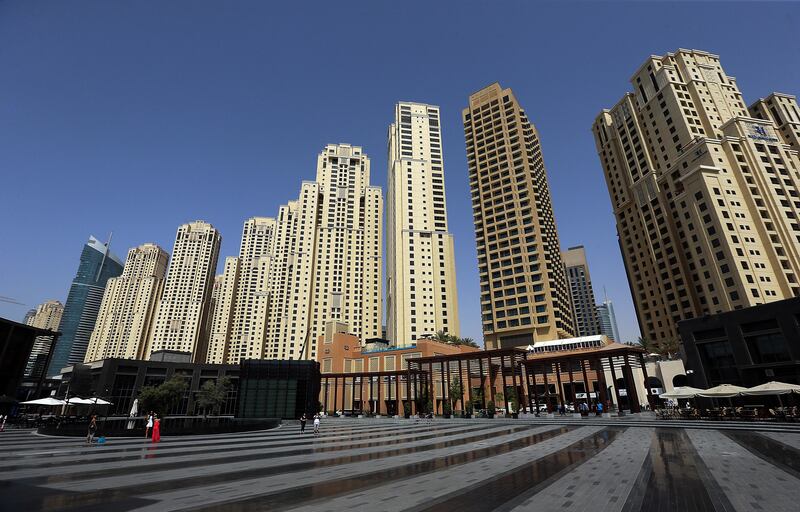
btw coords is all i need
(97, 266)
(421, 274)
(182, 312)
(225, 286)
(46, 316)
(126, 315)
(608, 320)
(580, 287)
(524, 293)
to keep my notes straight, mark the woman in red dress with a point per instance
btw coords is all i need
(157, 430)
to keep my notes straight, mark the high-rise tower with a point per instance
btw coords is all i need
(47, 315)
(97, 266)
(580, 288)
(524, 293)
(608, 320)
(224, 296)
(318, 260)
(348, 268)
(421, 296)
(182, 311)
(123, 325)
(705, 195)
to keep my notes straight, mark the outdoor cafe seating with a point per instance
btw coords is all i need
(718, 403)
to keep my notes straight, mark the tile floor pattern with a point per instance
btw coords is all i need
(395, 465)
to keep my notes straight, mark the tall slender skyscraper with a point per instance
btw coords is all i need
(608, 320)
(421, 296)
(184, 306)
(96, 267)
(125, 320)
(581, 292)
(705, 195)
(524, 293)
(224, 295)
(347, 285)
(47, 315)
(252, 299)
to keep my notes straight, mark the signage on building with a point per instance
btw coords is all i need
(760, 132)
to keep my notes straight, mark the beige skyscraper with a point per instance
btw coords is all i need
(318, 260)
(47, 315)
(184, 306)
(347, 268)
(224, 293)
(421, 295)
(782, 111)
(705, 195)
(125, 319)
(524, 294)
(584, 308)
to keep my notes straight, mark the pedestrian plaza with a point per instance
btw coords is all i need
(384, 464)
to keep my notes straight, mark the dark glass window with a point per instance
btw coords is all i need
(767, 348)
(719, 363)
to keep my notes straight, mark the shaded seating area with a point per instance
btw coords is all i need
(679, 405)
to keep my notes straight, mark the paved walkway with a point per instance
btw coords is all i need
(395, 465)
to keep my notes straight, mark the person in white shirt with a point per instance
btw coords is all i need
(316, 424)
(149, 425)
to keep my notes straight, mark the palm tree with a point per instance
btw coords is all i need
(469, 342)
(442, 336)
(646, 344)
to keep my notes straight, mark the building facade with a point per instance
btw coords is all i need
(251, 300)
(124, 323)
(608, 320)
(181, 314)
(524, 291)
(705, 195)
(421, 296)
(782, 111)
(318, 260)
(747, 347)
(223, 296)
(97, 266)
(584, 310)
(47, 315)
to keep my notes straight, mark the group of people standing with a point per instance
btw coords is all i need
(154, 425)
(304, 419)
(152, 428)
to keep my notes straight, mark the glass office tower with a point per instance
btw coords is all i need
(96, 267)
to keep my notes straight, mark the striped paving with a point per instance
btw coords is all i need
(397, 465)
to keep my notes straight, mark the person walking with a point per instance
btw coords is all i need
(303, 420)
(316, 424)
(148, 425)
(3, 419)
(156, 429)
(92, 429)
(599, 408)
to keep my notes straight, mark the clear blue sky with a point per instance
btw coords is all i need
(135, 117)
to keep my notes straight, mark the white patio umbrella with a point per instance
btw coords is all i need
(133, 413)
(44, 401)
(772, 388)
(722, 391)
(681, 392)
(98, 401)
(76, 400)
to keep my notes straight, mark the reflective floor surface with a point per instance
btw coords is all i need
(394, 465)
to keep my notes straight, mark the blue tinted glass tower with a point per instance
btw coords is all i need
(97, 266)
(608, 320)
